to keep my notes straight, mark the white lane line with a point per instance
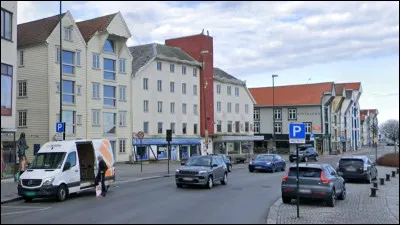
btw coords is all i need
(18, 207)
(32, 210)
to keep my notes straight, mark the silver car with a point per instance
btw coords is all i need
(203, 171)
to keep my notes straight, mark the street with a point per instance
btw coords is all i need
(246, 199)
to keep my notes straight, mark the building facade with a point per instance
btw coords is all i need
(8, 86)
(166, 95)
(369, 122)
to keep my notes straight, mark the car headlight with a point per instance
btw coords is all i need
(202, 172)
(268, 163)
(251, 162)
(48, 181)
(177, 170)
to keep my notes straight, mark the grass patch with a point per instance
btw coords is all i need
(390, 159)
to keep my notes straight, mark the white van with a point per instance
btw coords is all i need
(65, 167)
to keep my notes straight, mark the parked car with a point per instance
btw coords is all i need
(202, 170)
(316, 181)
(357, 167)
(270, 162)
(227, 161)
(306, 152)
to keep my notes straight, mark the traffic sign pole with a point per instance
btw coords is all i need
(297, 181)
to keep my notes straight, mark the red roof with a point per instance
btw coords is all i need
(339, 89)
(89, 27)
(351, 86)
(305, 94)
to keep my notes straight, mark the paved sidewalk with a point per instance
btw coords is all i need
(357, 207)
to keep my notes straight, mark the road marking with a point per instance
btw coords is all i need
(18, 207)
(36, 209)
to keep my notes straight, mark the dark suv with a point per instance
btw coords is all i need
(227, 161)
(357, 167)
(306, 152)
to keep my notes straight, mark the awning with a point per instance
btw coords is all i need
(162, 141)
(238, 138)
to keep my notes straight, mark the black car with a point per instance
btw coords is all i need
(306, 152)
(227, 160)
(357, 167)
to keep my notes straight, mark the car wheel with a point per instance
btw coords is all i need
(210, 182)
(224, 180)
(316, 158)
(342, 195)
(305, 159)
(369, 179)
(62, 193)
(251, 170)
(331, 202)
(291, 161)
(286, 200)
(179, 185)
(28, 199)
(283, 167)
(230, 168)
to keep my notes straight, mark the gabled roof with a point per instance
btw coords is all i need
(36, 32)
(143, 54)
(89, 27)
(305, 94)
(351, 86)
(223, 76)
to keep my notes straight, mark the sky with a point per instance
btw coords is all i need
(301, 42)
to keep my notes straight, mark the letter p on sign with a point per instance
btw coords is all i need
(296, 129)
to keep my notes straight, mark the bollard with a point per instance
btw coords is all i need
(397, 170)
(373, 192)
(387, 177)
(375, 184)
(393, 173)
(382, 181)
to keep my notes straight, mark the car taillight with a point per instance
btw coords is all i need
(323, 179)
(285, 178)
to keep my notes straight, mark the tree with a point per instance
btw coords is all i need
(390, 129)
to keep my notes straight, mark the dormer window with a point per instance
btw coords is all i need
(109, 46)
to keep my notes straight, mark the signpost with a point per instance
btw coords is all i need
(60, 131)
(140, 136)
(169, 139)
(297, 135)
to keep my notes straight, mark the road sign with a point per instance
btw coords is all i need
(60, 127)
(311, 137)
(140, 134)
(59, 136)
(297, 133)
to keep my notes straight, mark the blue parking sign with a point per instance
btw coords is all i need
(297, 133)
(60, 127)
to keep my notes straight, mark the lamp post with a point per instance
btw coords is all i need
(273, 110)
(204, 100)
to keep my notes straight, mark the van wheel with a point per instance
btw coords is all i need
(28, 199)
(62, 192)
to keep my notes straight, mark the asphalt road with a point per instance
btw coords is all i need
(246, 199)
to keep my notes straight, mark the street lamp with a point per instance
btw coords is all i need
(204, 100)
(273, 110)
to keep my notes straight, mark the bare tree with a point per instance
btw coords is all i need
(390, 129)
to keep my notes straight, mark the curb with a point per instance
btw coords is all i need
(12, 200)
(273, 211)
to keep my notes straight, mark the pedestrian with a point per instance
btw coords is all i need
(101, 175)
(22, 147)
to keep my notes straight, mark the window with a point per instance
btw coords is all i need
(218, 106)
(256, 127)
(292, 114)
(278, 128)
(122, 63)
(246, 108)
(159, 107)
(6, 89)
(219, 126)
(96, 90)
(146, 106)
(218, 89)
(184, 88)
(159, 85)
(246, 127)
(71, 158)
(172, 87)
(229, 126)
(172, 127)
(109, 46)
(68, 89)
(122, 119)
(21, 118)
(109, 95)
(68, 33)
(184, 126)
(229, 90)
(146, 127)
(195, 111)
(68, 62)
(237, 107)
(22, 88)
(195, 72)
(122, 93)
(96, 61)
(236, 91)
(308, 128)
(256, 114)
(21, 58)
(109, 69)
(278, 114)
(195, 90)
(237, 126)
(184, 70)
(184, 108)
(172, 107)
(122, 145)
(79, 119)
(95, 117)
(78, 58)
(145, 83)
(79, 90)
(159, 127)
(172, 68)
(69, 118)
(194, 128)
(229, 107)
(109, 123)
(6, 24)
(159, 66)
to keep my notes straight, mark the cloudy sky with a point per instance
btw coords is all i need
(300, 41)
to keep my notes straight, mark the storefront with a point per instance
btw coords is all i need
(235, 145)
(157, 148)
(8, 153)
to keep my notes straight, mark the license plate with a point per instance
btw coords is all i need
(351, 169)
(30, 193)
(305, 191)
(187, 179)
(258, 167)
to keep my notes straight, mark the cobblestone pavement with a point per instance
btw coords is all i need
(358, 207)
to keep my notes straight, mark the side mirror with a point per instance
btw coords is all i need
(182, 163)
(252, 159)
(215, 165)
(333, 173)
(67, 166)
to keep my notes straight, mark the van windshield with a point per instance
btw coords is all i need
(50, 160)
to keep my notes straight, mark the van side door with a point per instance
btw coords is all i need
(72, 175)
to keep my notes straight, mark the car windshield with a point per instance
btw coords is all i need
(264, 158)
(303, 148)
(305, 172)
(50, 160)
(199, 161)
(351, 162)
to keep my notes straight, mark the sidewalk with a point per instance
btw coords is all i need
(357, 206)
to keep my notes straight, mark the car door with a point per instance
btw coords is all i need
(337, 182)
(216, 171)
(278, 162)
(72, 175)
